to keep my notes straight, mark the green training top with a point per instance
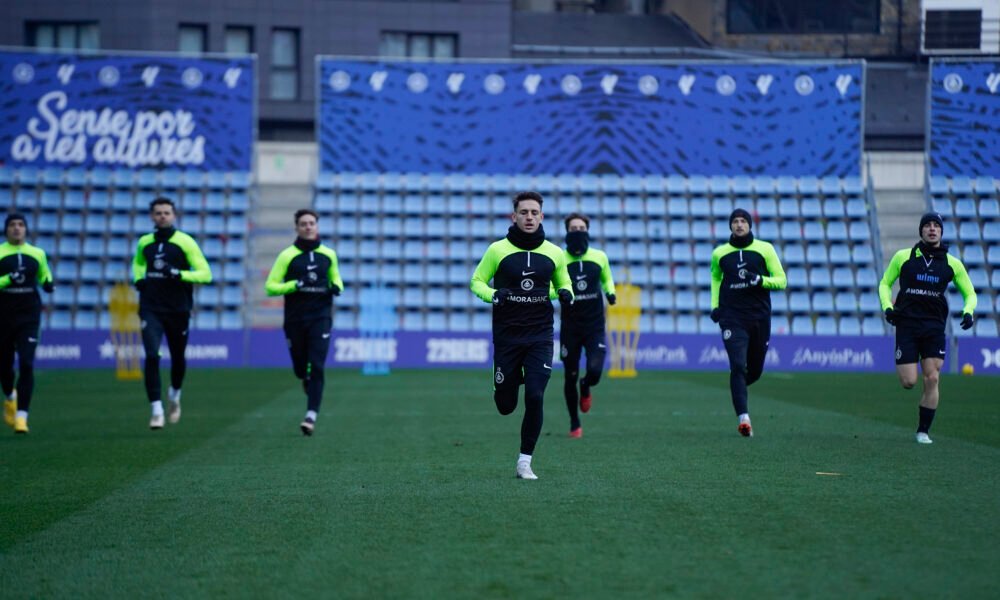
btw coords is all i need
(732, 270)
(923, 279)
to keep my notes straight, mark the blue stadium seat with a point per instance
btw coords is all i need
(986, 187)
(840, 254)
(980, 280)
(816, 254)
(973, 255)
(846, 302)
(826, 326)
(7, 197)
(767, 208)
(792, 254)
(849, 325)
(802, 325)
(820, 278)
(969, 232)
(722, 207)
(862, 255)
(685, 324)
(938, 185)
(683, 276)
(85, 319)
(60, 319)
(799, 302)
(768, 231)
(779, 302)
(659, 252)
(868, 302)
(28, 176)
(676, 185)
(147, 179)
(853, 188)
(986, 327)
(788, 208)
(231, 319)
(635, 229)
(790, 230)
(823, 301)
(718, 185)
(763, 185)
(47, 223)
(786, 186)
(50, 199)
(812, 231)
(856, 208)
(208, 295)
(6, 176)
(93, 247)
(961, 186)
(52, 177)
(943, 206)
(989, 209)
(809, 187)
(681, 252)
(75, 199)
(634, 206)
(206, 319)
(993, 258)
(991, 232)
(742, 186)
(811, 208)
(866, 278)
(859, 232)
(965, 208)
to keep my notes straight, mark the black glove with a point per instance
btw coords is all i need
(173, 273)
(140, 284)
(967, 321)
(334, 290)
(500, 296)
(48, 287)
(714, 315)
(612, 299)
(565, 296)
(755, 279)
(890, 316)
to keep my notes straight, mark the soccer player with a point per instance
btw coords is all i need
(166, 266)
(582, 322)
(306, 273)
(527, 272)
(23, 268)
(921, 312)
(744, 271)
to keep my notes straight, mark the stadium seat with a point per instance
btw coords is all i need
(766, 208)
(799, 302)
(811, 208)
(820, 278)
(849, 326)
(859, 232)
(857, 209)
(846, 302)
(973, 255)
(826, 326)
(986, 327)
(961, 186)
(965, 208)
(779, 302)
(763, 185)
(797, 277)
(813, 231)
(816, 254)
(822, 301)
(792, 254)
(788, 208)
(802, 325)
(989, 209)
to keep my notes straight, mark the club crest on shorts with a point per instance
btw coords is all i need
(727, 334)
(899, 353)
(499, 376)
(581, 285)
(563, 351)
(527, 284)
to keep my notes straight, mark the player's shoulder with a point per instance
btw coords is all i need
(327, 250)
(761, 245)
(596, 255)
(955, 263)
(145, 239)
(182, 237)
(552, 251)
(902, 254)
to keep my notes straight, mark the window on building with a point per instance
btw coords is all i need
(239, 40)
(802, 16)
(192, 39)
(418, 45)
(64, 35)
(285, 64)
(953, 29)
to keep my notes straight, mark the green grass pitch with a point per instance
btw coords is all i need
(407, 490)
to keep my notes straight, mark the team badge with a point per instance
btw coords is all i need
(727, 334)
(159, 264)
(499, 376)
(527, 285)
(581, 285)
(563, 351)
(899, 353)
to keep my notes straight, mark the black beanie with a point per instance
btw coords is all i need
(927, 218)
(739, 212)
(14, 216)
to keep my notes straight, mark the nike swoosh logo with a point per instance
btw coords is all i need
(740, 265)
(526, 273)
(311, 267)
(940, 351)
(32, 340)
(326, 335)
(601, 346)
(579, 277)
(544, 366)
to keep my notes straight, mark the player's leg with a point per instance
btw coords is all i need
(537, 371)
(760, 337)
(570, 350)
(508, 362)
(7, 372)
(906, 358)
(737, 341)
(932, 351)
(175, 327)
(152, 335)
(597, 349)
(26, 343)
(296, 336)
(318, 346)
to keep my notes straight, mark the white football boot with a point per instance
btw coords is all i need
(923, 438)
(524, 470)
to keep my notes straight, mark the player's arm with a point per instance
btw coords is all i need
(44, 276)
(964, 285)
(607, 281)
(200, 272)
(275, 285)
(5, 280)
(560, 277)
(333, 275)
(889, 277)
(716, 280)
(139, 261)
(485, 270)
(776, 280)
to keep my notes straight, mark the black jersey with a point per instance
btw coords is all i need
(316, 266)
(924, 274)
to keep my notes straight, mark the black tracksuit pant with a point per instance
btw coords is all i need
(20, 338)
(573, 344)
(308, 344)
(528, 363)
(155, 325)
(746, 343)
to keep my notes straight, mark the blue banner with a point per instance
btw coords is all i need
(964, 134)
(691, 118)
(134, 111)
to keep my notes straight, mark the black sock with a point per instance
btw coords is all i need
(926, 418)
(584, 387)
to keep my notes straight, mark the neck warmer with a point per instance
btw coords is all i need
(741, 241)
(931, 251)
(162, 235)
(526, 241)
(306, 245)
(577, 242)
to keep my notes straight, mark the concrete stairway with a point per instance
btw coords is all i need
(898, 181)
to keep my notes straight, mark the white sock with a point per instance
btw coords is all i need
(311, 414)
(744, 417)
(157, 407)
(524, 458)
(22, 414)
(174, 395)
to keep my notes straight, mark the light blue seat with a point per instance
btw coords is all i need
(863, 255)
(872, 326)
(742, 186)
(938, 185)
(943, 206)
(718, 185)
(634, 206)
(779, 302)
(763, 185)
(823, 301)
(859, 232)
(702, 230)
(866, 278)
(790, 231)
(833, 208)
(986, 327)
(970, 232)
(965, 208)
(788, 208)
(697, 185)
(75, 199)
(853, 187)
(985, 186)
(208, 296)
(786, 186)
(324, 203)
(722, 207)
(811, 208)
(989, 209)
(792, 254)
(820, 277)
(809, 187)
(973, 255)
(122, 200)
(991, 232)
(61, 319)
(231, 319)
(869, 303)
(846, 302)
(961, 186)
(849, 325)
(613, 229)
(799, 302)
(816, 254)
(685, 324)
(93, 247)
(683, 276)
(686, 300)
(802, 325)
(980, 280)
(118, 248)
(993, 258)
(681, 252)
(856, 208)
(813, 231)
(50, 199)
(826, 326)
(767, 208)
(85, 319)
(768, 231)
(840, 254)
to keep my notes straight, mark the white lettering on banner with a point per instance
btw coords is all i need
(843, 83)
(608, 83)
(992, 82)
(65, 73)
(845, 357)
(685, 83)
(58, 352)
(149, 75)
(363, 349)
(660, 355)
(764, 83)
(648, 85)
(714, 354)
(148, 138)
(457, 350)
(455, 82)
(232, 76)
(991, 358)
(531, 83)
(219, 352)
(377, 80)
